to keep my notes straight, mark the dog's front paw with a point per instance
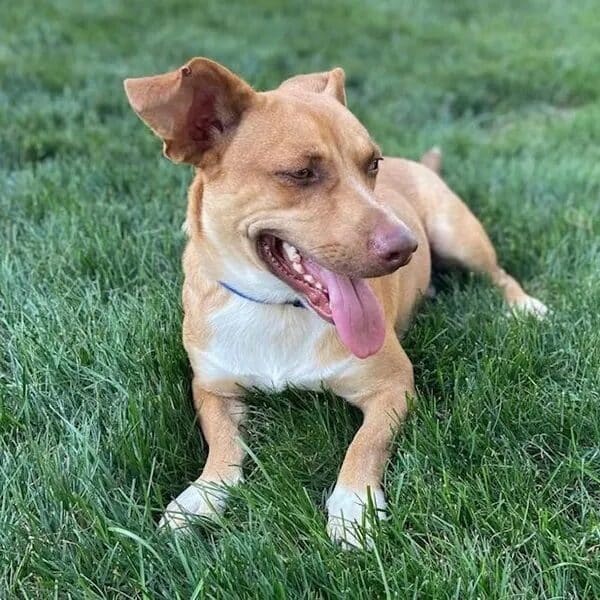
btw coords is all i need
(350, 518)
(201, 499)
(528, 305)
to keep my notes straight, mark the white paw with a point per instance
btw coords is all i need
(201, 499)
(430, 292)
(528, 305)
(349, 521)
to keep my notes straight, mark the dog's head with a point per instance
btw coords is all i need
(287, 180)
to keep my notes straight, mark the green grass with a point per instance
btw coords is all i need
(494, 486)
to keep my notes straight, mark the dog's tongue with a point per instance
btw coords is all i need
(356, 312)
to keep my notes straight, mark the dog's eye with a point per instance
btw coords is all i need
(303, 174)
(304, 177)
(374, 165)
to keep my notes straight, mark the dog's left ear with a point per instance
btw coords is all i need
(329, 82)
(193, 109)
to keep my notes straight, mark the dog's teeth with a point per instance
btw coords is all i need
(318, 285)
(309, 278)
(291, 252)
(298, 267)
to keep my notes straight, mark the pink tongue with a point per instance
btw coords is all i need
(356, 312)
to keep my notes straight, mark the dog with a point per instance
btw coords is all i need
(307, 254)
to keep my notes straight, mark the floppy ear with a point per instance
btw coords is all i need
(192, 109)
(328, 82)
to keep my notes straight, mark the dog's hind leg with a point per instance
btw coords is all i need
(220, 418)
(457, 238)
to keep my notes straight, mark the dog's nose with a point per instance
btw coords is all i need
(393, 245)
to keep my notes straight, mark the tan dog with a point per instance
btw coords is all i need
(306, 255)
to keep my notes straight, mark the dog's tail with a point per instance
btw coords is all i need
(433, 159)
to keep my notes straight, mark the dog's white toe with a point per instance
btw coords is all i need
(201, 499)
(528, 305)
(430, 292)
(349, 523)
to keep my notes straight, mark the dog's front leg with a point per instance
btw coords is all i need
(386, 380)
(220, 418)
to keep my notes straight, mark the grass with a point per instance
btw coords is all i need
(494, 486)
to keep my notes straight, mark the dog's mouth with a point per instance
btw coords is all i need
(346, 302)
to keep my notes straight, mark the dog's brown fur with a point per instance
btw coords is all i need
(240, 140)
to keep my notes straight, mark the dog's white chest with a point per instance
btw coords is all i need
(265, 346)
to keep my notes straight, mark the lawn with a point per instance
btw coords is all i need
(494, 484)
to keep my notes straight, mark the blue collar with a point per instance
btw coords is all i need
(295, 303)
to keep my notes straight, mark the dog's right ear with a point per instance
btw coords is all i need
(193, 109)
